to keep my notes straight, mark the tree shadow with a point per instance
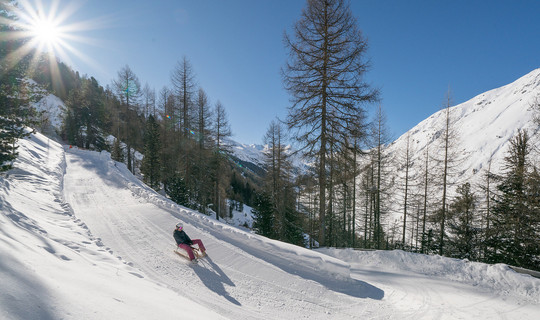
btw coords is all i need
(23, 297)
(92, 162)
(349, 286)
(214, 278)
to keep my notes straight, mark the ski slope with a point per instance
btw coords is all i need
(81, 238)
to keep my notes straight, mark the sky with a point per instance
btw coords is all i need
(418, 50)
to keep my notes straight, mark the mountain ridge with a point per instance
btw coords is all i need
(485, 125)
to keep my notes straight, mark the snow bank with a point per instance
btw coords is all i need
(498, 278)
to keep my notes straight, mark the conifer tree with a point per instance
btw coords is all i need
(264, 215)
(450, 160)
(221, 132)
(150, 166)
(176, 189)
(462, 224)
(278, 185)
(149, 101)
(202, 180)
(515, 216)
(380, 172)
(183, 83)
(16, 94)
(117, 154)
(324, 77)
(407, 160)
(425, 201)
(85, 120)
(184, 86)
(128, 90)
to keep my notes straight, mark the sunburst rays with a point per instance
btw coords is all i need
(46, 30)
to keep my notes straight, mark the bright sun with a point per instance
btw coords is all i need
(49, 30)
(46, 32)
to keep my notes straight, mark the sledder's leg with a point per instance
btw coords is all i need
(188, 250)
(200, 244)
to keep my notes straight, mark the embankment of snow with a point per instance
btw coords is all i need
(498, 277)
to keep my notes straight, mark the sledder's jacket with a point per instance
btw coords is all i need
(181, 237)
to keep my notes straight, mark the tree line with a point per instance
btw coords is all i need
(348, 201)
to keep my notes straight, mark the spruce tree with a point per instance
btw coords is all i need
(176, 189)
(515, 221)
(117, 153)
(462, 223)
(150, 166)
(85, 116)
(263, 213)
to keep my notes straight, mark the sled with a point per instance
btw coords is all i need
(196, 252)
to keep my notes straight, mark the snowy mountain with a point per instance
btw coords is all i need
(82, 238)
(484, 126)
(252, 156)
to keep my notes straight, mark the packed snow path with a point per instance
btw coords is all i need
(249, 277)
(244, 276)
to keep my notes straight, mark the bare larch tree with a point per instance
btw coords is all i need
(324, 76)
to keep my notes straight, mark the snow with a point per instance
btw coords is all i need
(53, 109)
(484, 127)
(52, 266)
(255, 153)
(242, 218)
(81, 238)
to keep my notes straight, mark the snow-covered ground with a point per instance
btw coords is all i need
(81, 238)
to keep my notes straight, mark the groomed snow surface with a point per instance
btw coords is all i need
(81, 238)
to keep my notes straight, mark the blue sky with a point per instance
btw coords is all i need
(418, 49)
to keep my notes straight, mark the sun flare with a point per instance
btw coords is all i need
(48, 30)
(45, 32)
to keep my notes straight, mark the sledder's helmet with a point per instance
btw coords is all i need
(179, 226)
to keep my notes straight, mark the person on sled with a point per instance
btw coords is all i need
(183, 241)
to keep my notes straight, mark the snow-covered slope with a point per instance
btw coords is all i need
(254, 155)
(53, 267)
(483, 128)
(81, 238)
(484, 125)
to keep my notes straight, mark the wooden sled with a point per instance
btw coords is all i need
(196, 252)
